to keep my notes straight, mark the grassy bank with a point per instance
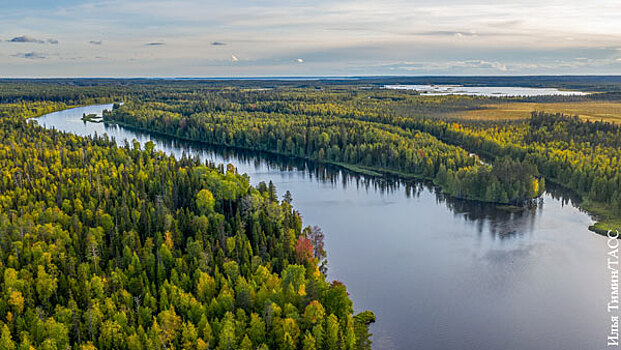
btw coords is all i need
(606, 219)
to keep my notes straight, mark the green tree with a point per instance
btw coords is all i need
(6, 343)
(205, 201)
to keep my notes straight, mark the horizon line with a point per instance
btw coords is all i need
(307, 77)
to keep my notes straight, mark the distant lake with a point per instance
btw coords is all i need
(438, 272)
(492, 91)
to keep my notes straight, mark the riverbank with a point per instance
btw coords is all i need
(68, 107)
(604, 216)
(355, 168)
(606, 220)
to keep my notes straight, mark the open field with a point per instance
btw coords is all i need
(588, 110)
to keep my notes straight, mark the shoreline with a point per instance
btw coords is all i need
(358, 169)
(604, 221)
(599, 212)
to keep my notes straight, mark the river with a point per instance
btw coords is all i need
(439, 273)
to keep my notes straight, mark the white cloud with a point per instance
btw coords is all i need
(452, 65)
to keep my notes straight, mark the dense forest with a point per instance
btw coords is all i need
(105, 247)
(358, 125)
(402, 133)
(582, 156)
(352, 142)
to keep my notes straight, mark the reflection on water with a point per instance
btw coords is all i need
(504, 222)
(439, 272)
(501, 221)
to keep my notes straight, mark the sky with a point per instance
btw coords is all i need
(203, 38)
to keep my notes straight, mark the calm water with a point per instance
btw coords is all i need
(439, 273)
(494, 91)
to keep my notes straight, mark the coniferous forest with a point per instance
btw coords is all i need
(402, 133)
(121, 248)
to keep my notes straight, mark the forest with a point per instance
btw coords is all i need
(449, 140)
(377, 131)
(106, 247)
(452, 141)
(349, 141)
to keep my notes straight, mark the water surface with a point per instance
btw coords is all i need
(439, 273)
(491, 91)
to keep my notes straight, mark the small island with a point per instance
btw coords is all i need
(92, 117)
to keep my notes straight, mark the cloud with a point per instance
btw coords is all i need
(31, 55)
(234, 58)
(29, 39)
(506, 23)
(155, 43)
(447, 33)
(25, 39)
(450, 66)
(95, 42)
(370, 38)
(485, 64)
(299, 60)
(476, 64)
